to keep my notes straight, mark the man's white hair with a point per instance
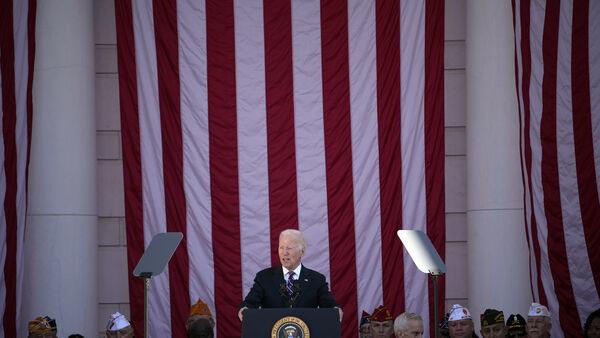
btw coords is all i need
(401, 322)
(298, 236)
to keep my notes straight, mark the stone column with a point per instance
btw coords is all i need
(61, 236)
(498, 272)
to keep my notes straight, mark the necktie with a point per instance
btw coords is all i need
(289, 285)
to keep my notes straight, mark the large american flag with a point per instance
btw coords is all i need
(17, 41)
(558, 87)
(243, 118)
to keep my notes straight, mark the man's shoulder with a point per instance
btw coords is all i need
(310, 272)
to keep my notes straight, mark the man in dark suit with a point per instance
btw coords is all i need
(291, 284)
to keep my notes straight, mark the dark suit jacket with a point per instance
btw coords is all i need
(267, 291)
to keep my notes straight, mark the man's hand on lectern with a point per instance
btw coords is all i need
(241, 313)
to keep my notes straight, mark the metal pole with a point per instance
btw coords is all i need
(146, 290)
(435, 305)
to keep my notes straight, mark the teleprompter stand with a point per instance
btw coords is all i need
(153, 263)
(427, 260)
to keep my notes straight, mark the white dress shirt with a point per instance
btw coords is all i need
(296, 272)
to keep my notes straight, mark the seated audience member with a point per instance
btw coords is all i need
(118, 327)
(200, 328)
(591, 328)
(408, 325)
(516, 326)
(200, 323)
(365, 325)
(460, 322)
(492, 324)
(538, 321)
(443, 326)
(42, 327)
(382, 323)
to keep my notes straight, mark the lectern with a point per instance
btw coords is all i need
(291, 322)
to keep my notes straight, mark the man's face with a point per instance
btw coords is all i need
(414, 329)
(365, 331)
(382, 329)
(594, 329)
(494, 331)
(460, 328)
(538, 327)
(290, 252)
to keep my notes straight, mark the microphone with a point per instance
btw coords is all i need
(297, 288)
(284, 295)
(296, 292)
(282, 290)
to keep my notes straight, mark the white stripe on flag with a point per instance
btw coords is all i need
(594, 56)
(537, 73)
(363, 105)
(584, 290)
(252, 139)
(194, 124)
(308, 122)
(20, 26)
(151, 157)
(412, 72)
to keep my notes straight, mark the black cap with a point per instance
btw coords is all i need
(516, 324)
(491, 317)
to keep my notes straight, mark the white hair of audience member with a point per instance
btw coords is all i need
(297, 234)
(401, 322)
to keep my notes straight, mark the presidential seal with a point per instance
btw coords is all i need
(290, 327)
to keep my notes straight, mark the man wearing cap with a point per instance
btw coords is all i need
(200, 323)
(460, 322)
(291, 284)
(492, 324)
(382, 323)
(538, 321)
(365, 325)
(118, 327)
(516, 326)
(42, 327)
(408, 325)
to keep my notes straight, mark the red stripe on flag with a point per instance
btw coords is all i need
(167, 51)
(526, 60)
(224, 164)
(559, 264)
(338, 159)
(132, 166)
(9, 122)
(434, 141)
(283, 200)
(390, 169)
(583, 137)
